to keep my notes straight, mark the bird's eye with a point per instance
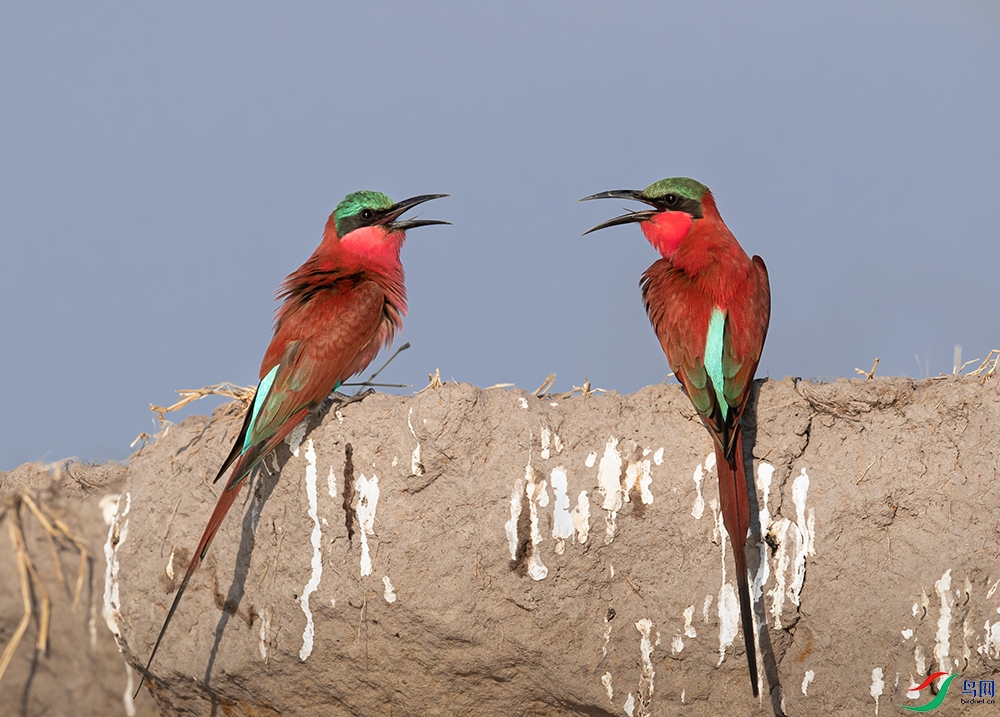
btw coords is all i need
(670, 199)
(367, 214)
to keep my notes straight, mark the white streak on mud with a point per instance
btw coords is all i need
(877, 687)
(331, 483)
(806, 680)
(991, 644)
(779, 532)
(967, 632)
(639, 475)
(989, 593)
(416, 467)
(127, 702)
(698, 509)
(367, 503)
(805, 534)
(658, 456)
(714, 505)
(515, 512)
(942, 645)
(645, 627)
(920, 662)
(170, 565)
(294, 439)
(117, 533)
(562, 521)
(765, 474)
(524, 402)
(689, 630)
(591, 459)
(796, 542)
(609, 484)
(907, 634)
(389, 594)
(606, 681)
(317, 557)
(581, 517)
(546, 439)
(557, 442)
(606, 638)
(729, 605)
(265, 625)
(705, 607)
(629, 705)
(677, 644)
(537, 497)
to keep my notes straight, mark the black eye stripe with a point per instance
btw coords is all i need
(676, 203)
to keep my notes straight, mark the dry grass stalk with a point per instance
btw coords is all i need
(58, 534)
(869, 375)
(988, 368)
(585, 390)
(434, 381)
(546, 385)
(243, 394)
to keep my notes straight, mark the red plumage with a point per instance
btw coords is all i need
(340, 308)
(705, 270)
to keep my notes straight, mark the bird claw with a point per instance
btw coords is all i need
(340, 399)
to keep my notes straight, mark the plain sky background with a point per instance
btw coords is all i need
(164, 165)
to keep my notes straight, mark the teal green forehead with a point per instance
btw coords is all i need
(365, 199)
(681, 186)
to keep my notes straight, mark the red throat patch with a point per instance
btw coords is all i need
(666, 230)
(375, 245)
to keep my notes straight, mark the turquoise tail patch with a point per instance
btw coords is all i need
(263, 388)
(713, 356)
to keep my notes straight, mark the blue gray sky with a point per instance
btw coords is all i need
(164, 166)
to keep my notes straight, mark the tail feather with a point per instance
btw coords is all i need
(735, 503)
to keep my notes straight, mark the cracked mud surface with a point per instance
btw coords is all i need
(495, 588)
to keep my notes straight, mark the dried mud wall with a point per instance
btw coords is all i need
(487, 552)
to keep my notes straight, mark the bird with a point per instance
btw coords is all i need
(709, 304)
(338, 310)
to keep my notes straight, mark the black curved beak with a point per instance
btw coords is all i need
(393, 212)
(628, 218)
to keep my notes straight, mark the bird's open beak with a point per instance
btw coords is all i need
(393, 213)
(628, 218)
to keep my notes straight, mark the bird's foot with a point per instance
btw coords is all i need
(339, 400)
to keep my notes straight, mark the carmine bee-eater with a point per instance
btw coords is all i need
(709, 304)
(339, 309)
